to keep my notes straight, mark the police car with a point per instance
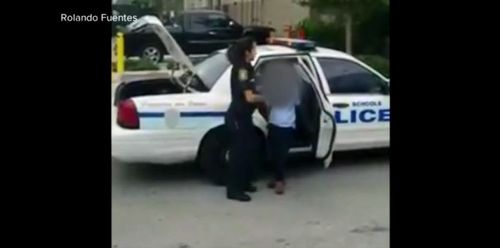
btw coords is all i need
(178, 117)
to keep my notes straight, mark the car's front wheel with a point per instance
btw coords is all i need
(153, 53)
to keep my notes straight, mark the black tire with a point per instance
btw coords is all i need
(153, 52)
(213, 157)
(214, 154)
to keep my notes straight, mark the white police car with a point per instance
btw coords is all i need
(163, 119)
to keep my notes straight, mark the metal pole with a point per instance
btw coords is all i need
(120, 54)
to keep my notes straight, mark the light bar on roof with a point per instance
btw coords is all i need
(298, 44)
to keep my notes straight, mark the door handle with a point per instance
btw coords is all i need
(341, 105)
(212, 33)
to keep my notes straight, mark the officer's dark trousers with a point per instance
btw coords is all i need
(241, 153)
(279, 142)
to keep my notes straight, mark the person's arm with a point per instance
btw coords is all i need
(251, 97)
(247, 87)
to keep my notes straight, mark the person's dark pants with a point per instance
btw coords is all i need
(241, 153)
(279, 141)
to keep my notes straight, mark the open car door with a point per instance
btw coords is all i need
(327, 125)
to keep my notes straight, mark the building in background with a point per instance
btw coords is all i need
(197, 4)
(274, 13)
(159, 5)
(203, 4)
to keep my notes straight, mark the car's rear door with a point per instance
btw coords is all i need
(327, 126)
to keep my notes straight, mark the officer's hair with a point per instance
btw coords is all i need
(236, 52)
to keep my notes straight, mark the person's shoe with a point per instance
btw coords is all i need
(279, 187)
(240, 196)
(251, 189)
(271, 184)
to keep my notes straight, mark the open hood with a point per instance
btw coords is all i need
(153, 23)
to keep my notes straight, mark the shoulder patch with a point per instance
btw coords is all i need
(243, 75)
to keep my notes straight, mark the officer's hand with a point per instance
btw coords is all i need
(251, 97)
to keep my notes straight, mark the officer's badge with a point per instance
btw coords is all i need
(243, 75)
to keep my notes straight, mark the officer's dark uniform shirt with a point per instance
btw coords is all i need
(242, 78)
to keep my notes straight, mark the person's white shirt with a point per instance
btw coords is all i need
(283, 116)
(281, 90)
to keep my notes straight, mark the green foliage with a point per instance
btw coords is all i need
(141, 3)
(140, 65)
(357, 8)
(370, 34)
(324, 34)
(378, 63)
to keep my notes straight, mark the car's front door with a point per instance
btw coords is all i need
(361, 102)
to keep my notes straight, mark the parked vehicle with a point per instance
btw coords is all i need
(173, 118)
(196, 32)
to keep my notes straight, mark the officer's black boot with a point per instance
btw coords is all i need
(234, 191)
(238, 196)
(251, 189)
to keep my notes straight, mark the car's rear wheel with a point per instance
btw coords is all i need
(214, 156)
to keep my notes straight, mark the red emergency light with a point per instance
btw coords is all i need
(298, 44)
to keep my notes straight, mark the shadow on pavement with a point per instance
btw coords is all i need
(298, 166)
(304, 166)
(155, 172)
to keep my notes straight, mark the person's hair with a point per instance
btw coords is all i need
(236, 52)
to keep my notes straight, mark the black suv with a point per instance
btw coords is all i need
(196, 32)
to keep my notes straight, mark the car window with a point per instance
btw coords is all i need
(283, 76)
(217, 21)
(204, 21)
(347, 77)
(198, 21)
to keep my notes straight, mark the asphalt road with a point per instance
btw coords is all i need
(174, 207)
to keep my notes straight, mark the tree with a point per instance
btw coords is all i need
(348, 10)
(141, 3)
(158, 6)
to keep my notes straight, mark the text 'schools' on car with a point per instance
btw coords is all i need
(177, 117)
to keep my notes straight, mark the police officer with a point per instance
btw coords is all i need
(238, 119)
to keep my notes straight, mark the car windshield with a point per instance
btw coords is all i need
(209, 70)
